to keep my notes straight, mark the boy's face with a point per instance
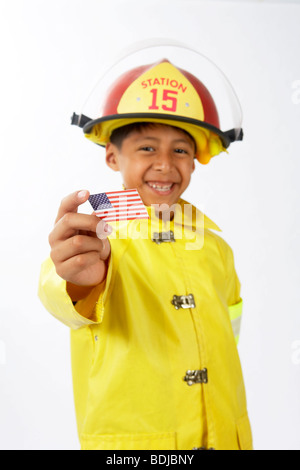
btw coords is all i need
(157, 161)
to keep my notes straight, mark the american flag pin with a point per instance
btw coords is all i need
(119, 205)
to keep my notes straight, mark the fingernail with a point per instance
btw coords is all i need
(108, 228)
(103, 230)
(82, 194)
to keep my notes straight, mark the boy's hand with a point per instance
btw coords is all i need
(79, 256)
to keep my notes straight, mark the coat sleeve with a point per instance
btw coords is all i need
(54, 296)
(235, 302)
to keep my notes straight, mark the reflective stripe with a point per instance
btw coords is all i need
(236, 326)
(235, 313)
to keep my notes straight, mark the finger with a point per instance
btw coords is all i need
(84, 269)
(71, 202)
(74, 246)
(105, 249)
(71, 223)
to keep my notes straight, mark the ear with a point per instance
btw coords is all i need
(111, 157)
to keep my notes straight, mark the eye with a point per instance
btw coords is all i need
(181, 152)
(147, 149)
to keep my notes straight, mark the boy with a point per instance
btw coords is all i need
(154, 357)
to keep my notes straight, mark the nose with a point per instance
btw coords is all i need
(163, 162)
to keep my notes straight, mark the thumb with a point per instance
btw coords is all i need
(71, 202)
(103, 230)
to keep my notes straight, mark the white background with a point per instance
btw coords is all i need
(51, 55)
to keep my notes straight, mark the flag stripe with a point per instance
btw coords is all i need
(113, 219)
(122, 206)
(132, 203)
(125, 201)
(111, 213)
(122, 193)
(124, 196)
(122, 211)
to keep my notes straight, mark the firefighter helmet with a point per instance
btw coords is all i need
(162, 93)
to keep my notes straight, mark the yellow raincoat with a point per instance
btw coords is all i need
(154, 357)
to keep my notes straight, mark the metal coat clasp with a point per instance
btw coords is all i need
(183, 301)
(196, 377)
(161, 237)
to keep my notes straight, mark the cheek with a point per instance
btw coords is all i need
(187, 170)
(134, 173)
(139, 169)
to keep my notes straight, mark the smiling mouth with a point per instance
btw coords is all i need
(161, 187)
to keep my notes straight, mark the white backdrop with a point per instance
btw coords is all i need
(51, 55)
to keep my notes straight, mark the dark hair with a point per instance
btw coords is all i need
(118, 135)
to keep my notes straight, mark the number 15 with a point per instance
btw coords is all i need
(168, 95)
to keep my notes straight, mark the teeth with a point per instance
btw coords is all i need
(160, 187)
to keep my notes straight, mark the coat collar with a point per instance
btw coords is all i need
(197, 215)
